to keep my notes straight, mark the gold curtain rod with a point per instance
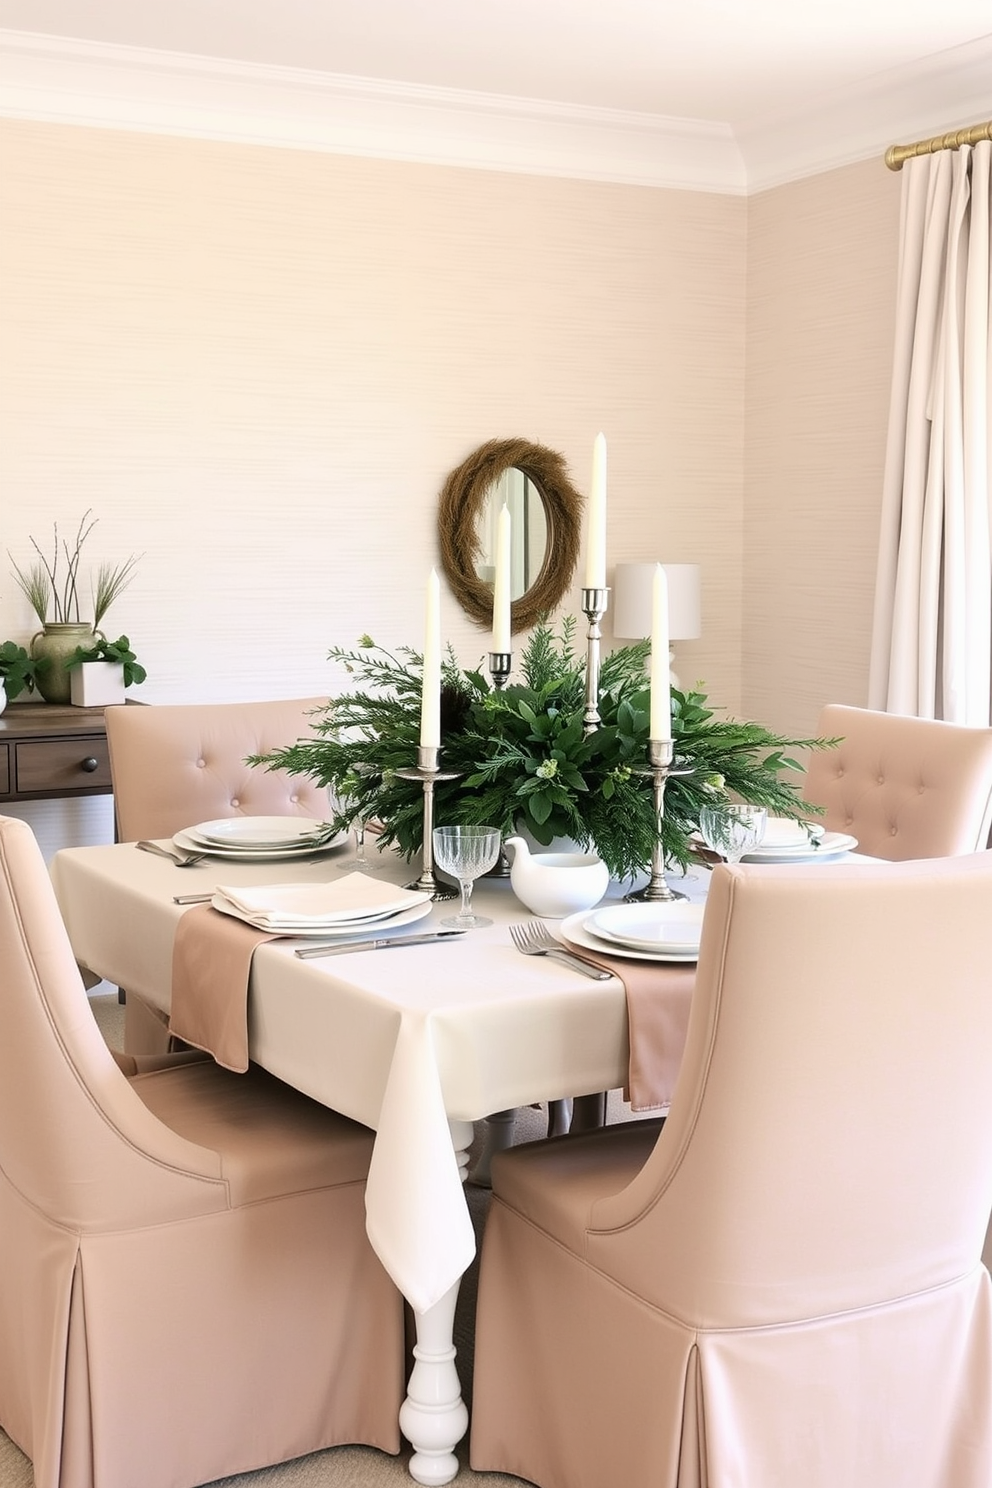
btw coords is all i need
(896, 154)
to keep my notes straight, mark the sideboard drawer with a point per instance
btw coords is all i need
(4, 770)
(62, 765)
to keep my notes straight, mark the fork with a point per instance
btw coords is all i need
(188, 860)
(533, 939)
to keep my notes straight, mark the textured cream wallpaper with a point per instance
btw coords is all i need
(820, 306)
(257, 367)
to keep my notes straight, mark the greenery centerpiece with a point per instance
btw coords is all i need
(522, 758)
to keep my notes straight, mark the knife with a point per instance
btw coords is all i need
(340, 948)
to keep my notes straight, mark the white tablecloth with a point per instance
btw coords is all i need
(405, 1041)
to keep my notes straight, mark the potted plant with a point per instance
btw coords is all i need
(18, 672)
(99, 674)
(521, 757)
(51, 586)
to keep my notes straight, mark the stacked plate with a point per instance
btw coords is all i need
(259, 838)
(641, 932)
(788, 841)
(345, 906)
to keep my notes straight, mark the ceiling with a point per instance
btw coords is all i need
(743, 70)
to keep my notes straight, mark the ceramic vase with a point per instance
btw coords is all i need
(51, 648)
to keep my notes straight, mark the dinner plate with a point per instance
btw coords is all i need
(832, 845)
(574, 929)
(650, 927)
(339, 929)
(187, 843)
(259, 832)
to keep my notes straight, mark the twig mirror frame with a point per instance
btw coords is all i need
(461, 505)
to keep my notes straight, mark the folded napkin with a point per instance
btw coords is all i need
(658, 998)
(352, 898)
(781, 831)
(211, 963)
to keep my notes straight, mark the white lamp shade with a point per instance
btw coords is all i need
(632, 586)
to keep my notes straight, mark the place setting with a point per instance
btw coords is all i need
(259, 839)
(639, 932)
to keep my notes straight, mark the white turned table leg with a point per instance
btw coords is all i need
(433, 1417)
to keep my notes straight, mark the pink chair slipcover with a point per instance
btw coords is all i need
(182, 763)
(784, 1286)
(187, 1290)
(904, 787)
(176, 765)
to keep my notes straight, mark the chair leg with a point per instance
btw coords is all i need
(589, 1112)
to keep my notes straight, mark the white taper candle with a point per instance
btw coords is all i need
(596, 527)
(430, 700)
(661, 694)
(501, 584)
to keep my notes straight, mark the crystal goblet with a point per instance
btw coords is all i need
(732, 829)
(466, 853)
(347, 798)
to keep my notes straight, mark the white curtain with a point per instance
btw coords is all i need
(932, 636)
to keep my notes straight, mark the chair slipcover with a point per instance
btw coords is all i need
(784, 1287)
(186, 1287)
(175, 765)
(179, 764)
(904, 787)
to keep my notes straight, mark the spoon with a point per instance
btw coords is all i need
(188, 860)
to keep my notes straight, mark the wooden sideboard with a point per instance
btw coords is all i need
(50, 750)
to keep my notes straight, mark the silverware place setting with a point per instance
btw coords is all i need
(535, 939)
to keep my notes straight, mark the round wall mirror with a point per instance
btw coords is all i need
(544, 508)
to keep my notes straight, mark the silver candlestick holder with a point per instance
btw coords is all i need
(428, 773)
(500, 663)
(595, 603)
(657, 890)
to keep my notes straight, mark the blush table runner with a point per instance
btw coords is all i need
(211, 964)
(658, 998)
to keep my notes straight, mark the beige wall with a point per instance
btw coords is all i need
(820, 307)
(258, 365)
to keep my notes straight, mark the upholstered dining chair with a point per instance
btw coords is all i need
(904, 787)
(783, 1285)
(187, 1289)
(174, 765)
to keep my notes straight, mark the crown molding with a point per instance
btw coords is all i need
(61, 81)
(943, 92)
(114, 87)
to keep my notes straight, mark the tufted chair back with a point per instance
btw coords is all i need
(180, 764)
(905, 787)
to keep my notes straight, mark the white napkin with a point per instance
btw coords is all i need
(353, 898)
(780, 831)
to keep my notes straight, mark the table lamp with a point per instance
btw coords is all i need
(632, 585)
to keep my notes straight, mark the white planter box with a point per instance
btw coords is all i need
(96, 683)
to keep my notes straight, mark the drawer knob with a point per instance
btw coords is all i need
(89, 764)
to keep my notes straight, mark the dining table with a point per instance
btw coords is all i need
(417, 1042)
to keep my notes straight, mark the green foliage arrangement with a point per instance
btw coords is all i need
(118, 651)
(18, 670)
(51, 585)
(523, 759)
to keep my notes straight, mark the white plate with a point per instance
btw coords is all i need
(259, 832)
(342, 929)
(832, 845)
(573, 929)
(187, 843)
(650, 927)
